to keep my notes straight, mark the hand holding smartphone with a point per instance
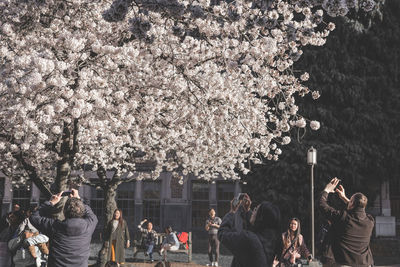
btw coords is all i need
(66, 193)
(237, 199)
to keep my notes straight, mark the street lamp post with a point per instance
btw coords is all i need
(312, 160)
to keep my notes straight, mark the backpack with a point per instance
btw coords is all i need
(183, 238)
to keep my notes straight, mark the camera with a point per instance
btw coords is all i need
(66, 193)
(237, 199)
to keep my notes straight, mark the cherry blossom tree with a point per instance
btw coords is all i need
(203, 87)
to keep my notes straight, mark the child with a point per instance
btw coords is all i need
(28, 248)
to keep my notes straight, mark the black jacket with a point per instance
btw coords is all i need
(351, 234)
(248, 248)
(69, 239)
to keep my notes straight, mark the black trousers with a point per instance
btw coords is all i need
(213, 247)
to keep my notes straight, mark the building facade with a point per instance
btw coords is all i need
(163, 201)
(185, 207)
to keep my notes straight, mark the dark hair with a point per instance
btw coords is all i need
(298, 231)
(168, 228)
(360, 200)
(268, 216)
(74, 208)
(120, 220)
(267, 228)
(163, 264)
(288, 236)
(111, 264)
(19, 216)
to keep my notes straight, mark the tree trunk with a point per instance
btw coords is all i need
(64, 166)
(63, 173)
(110, 203)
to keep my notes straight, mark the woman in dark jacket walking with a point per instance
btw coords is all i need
(117, 238)
(258, 246)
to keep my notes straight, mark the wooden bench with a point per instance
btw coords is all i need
(139, 247)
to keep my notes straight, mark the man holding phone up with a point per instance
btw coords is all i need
(212, 226)
(70, 238)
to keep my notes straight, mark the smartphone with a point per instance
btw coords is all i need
(66, 193)
(237, 199)
(340, 183)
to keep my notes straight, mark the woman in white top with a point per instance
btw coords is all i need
(170, 242)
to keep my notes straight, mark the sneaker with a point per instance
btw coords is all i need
(216, 264)
(152, 260)
(210, 264)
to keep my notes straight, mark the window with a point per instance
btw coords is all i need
(22, 196)
(176, 188)
(395, 197)
(1, 192)
(200, 203)
(126, 201)
(97, 204)
(151, 201)
(225, 193)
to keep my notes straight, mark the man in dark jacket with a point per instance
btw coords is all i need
(70, 238)
(352, 227)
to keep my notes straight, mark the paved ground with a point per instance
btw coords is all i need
(174, 264)
(179, 260)
(201, 259)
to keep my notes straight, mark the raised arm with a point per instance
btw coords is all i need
(141, 229)
(342, 195)
(329, 212)
(91, 218)
(229, 236)
(39, 218)
(232, 239)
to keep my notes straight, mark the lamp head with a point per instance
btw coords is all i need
(312, 156)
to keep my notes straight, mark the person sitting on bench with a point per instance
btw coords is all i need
(170, 242)
(149, 238)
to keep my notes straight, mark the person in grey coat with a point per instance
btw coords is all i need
(70, 238)
(257, 246)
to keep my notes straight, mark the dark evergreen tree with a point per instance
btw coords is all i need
(357, 73)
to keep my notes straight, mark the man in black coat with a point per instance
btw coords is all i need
(352, 227)
(70, 238)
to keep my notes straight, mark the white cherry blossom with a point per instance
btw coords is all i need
(190, 86)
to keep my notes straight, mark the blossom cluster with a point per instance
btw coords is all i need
(198, 86)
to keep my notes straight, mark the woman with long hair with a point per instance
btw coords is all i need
(170, 242)
(117, 237)
(294, 246)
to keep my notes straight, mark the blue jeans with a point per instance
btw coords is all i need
(150, 250)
